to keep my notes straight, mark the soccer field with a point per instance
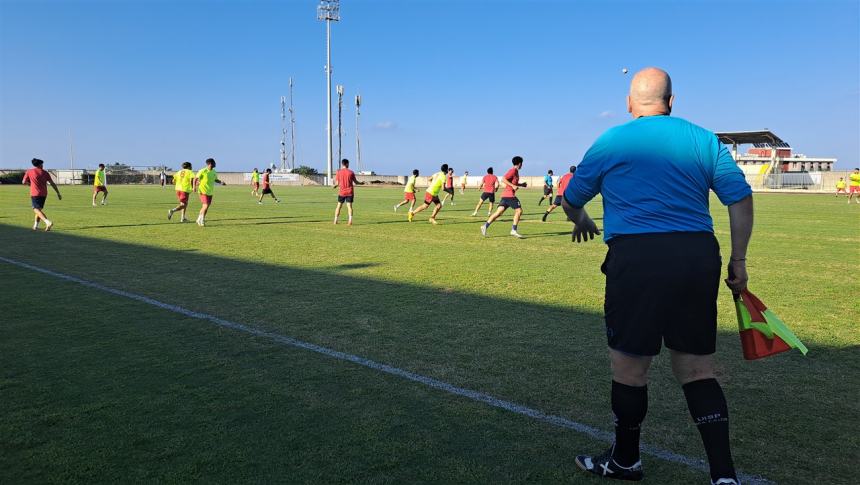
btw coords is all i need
(98, 386)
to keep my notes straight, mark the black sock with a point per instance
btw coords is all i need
(711, 415)
(629, 404)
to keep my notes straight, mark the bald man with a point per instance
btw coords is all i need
(663, 266)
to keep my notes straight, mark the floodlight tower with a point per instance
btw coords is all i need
(292, 130)
(357, 137)
(283, 133)
(328, 11)
(339, 123)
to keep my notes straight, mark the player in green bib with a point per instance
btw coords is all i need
(204, 184)
(255, 183)
(409, 192)
(100, 185)
(183, 182)
(432, 194)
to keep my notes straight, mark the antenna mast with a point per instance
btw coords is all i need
(292, 130)
(339, 123)
(357, 137)
(284, 132)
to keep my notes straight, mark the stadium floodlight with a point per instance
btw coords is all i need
(328, 11)
(357, 137)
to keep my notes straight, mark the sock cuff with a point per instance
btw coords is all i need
(700, 384)
(617, 386)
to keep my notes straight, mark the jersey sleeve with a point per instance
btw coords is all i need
(729, 182)
(589, 174)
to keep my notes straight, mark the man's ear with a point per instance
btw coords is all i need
(629, 106)
(671, 102)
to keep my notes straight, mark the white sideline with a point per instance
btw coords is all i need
(559, 421)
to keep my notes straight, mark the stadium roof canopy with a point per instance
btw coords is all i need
(761, 139)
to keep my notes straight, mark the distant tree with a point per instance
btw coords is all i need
(305, 170)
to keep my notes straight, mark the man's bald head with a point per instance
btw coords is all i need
(650, 93)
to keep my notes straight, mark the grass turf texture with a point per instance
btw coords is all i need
(95, 387)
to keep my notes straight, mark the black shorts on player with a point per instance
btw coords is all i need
(450, 190)
(38, 202)
(489, 196)
(510, 203)
(344, 198)
(547, 190)
(557, 201)
(268, 191)
(662, 288)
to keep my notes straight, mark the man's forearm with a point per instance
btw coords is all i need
(741, 224)
(575, 214)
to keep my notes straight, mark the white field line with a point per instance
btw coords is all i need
(558, 421)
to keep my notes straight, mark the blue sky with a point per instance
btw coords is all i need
(468, 83)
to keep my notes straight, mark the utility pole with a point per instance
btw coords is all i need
(283, 133)
(292, 130)
(357, 136)
(328, 11)
(339, 123)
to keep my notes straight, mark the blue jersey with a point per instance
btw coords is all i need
(547, 180)
(655, 174)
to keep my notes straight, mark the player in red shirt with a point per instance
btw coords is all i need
(449, 186)
(559, 194)
(511, 181)
(38, 179)
(489, 185)
(267, 187)
(346, 181)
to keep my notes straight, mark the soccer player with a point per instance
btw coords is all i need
(163, 177)
(204, 184)
(562, 184)
(183, 182)
(663, 267)
(431, 196)
(100, 185)
(255, 183)
(38, 179)
(547, 187)
(449, 186)
(267, 187)
(511, 181)
(464, 181)
(854, 185)
(840, 187)
(409, 192)
(490, 184)
(346, 181)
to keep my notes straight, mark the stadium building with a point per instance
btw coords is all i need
(770, 154)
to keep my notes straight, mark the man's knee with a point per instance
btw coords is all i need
(629, 370)
(690, 367)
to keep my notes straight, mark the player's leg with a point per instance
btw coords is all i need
(492, 218)
(518, 213)
(104, 197)
(337, 211)
(411, 205)
(436, 210)
(421, 207)
(480, 203)
(95, 193)
(349, 213)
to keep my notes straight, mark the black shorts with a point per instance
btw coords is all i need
(450, 190)
(491, 196)
(510, 202)
(38, 202)
(557, 200)
(345, 198)
(547, 190)
(662, 288)
(268, 190)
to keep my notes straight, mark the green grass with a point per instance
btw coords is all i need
(96, 387)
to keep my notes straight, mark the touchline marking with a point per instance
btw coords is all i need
(513, 407)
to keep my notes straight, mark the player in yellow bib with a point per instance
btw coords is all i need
(183, 182)
(432, 194)
(100, 185)
(204, 184)
(840, 187)
(409, 192)
(464, 181)
(854, 185)
(255, 183)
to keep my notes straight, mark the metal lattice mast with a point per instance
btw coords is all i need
(357, 136)
(283, 133)
(292, 130)
(328, 11)
(339, 123)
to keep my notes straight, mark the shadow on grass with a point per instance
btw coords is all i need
(549, 357)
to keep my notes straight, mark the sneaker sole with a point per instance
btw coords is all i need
(583, 468)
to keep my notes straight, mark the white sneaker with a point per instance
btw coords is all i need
(475, 214)
(94, 204)
(48, 225)
(36, 226)
(259, 203)
(726, 481)
(395, 208)
(169, 214)
(484, 230)
(516, 234)
(277, 201)
(200, 222)
(452, 203)
(104, 202)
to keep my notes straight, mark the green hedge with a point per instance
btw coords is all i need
(12, 177)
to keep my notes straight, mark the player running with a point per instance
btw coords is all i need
(204, 184)
(409, 192)
(100, 185)
(490, 184)
(562, 184)
(267, 187)
(183, 182)
(854, 185)
(449, 186)
(431, 196)
(511, 180)
(163, 178)
(345, 179)
(464, 181)
(547, 187)
(38, 179)
(255, 183)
